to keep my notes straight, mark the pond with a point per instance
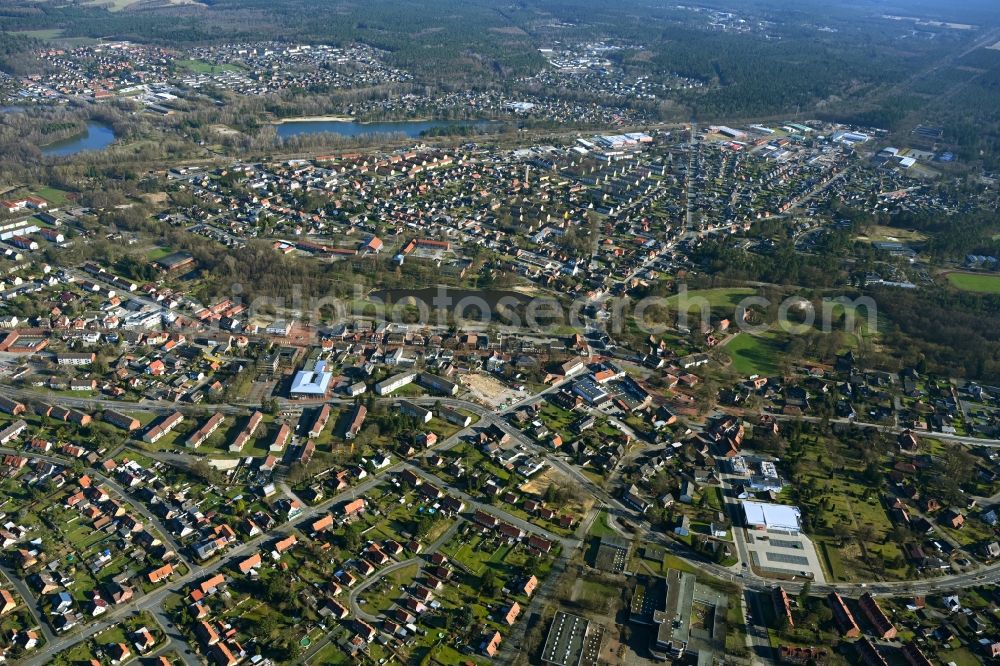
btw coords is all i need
(97, 136)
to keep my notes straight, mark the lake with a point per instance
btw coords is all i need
(411, 128)
(96, 137)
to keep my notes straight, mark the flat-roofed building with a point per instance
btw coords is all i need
(612, 554)
(313, 383)
(75, 359)
(674, 631)
(565, 642)
(591, 391)
(174, 262)
(766, 516)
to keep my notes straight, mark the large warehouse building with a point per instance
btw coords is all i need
(765, 516)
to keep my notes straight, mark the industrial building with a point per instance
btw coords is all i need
(591, 391)
(565, 642)
(766, 516)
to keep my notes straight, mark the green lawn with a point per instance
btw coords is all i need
(381, 597)
(714, 498)
(754, 354)
(54, 196)
(962, 657)
(600, 528)
(467, 554)
(157, 253)
(449, 656)
(556, 418)
(202, 67)
(979, 283)
(330, 654)
(674, 562)
(44, 35)
(717, 298)
(831, 558)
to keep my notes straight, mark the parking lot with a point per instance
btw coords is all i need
(784, 553)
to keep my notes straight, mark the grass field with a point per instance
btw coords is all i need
(157, 253)
(879, 233)
(119, 5)
(330, 654)
(54, 196)
(716, 298)
(754, 354)
(202, 67)
(600, 528)
(977, 282)
(44, 35)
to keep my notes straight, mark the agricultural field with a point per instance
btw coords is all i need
(44, 35)
(121, 5)
(976, 282)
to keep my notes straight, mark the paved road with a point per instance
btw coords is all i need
(484, 412)
(154, 599)
(31, 601)
(758, 641)
(111, 483)
(146, 513)
(892, 429)
(747, 579)
(175, 640)
(396, 566)
(152, 602)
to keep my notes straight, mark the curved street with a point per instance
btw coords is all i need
(745, 578)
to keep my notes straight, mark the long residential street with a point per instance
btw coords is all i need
(153, 601)
(745, 578)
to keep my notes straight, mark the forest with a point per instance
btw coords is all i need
(953, 334)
